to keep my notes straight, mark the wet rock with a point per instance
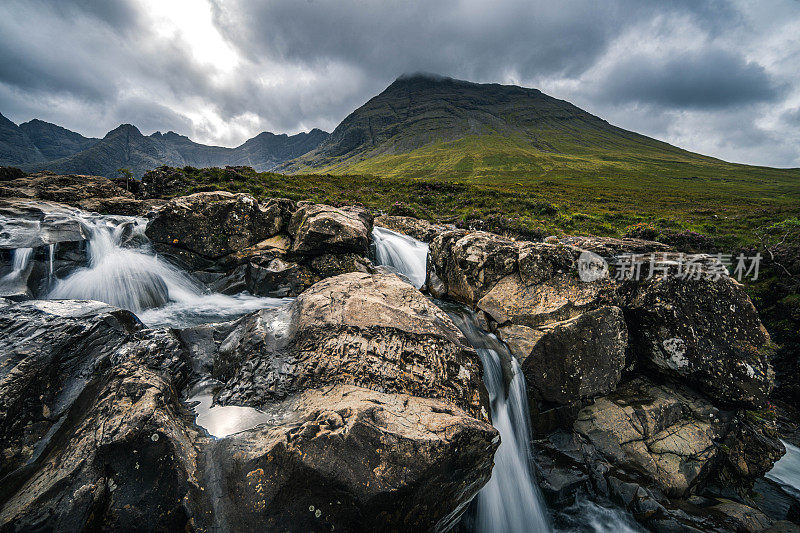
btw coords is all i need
(369, 330)
(214, 224)
(321, 229)
(706, 332)
(575, 359)
(119, 459)
(31, 224)
(354, 459)
(413, 227)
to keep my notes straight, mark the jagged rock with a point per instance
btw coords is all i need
(575, 359)
(319, 229)
(94, 436)
(370, 330)
(667, 434)
(121, 459)
(164, 182)
(354, 459)
(11, 173)
(215, 224)
(706, 332)
(528, 284)
(413, 227)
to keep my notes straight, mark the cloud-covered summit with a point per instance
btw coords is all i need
(716, 77)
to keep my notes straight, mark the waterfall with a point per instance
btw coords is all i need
(401, 253)
(16, 279)
(22, 258)
(511, 501)
(51, 253)
(123, 271)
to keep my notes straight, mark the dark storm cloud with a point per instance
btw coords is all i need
(295, 65)
(705, 79)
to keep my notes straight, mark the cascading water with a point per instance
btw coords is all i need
(123, 271)
(51, 254)
(511, 501)
(401, 253)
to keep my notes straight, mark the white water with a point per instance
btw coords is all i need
(401, 253)
(129, 275)
(511, 501)
(21, 258)
(51, 253)
(786, 471)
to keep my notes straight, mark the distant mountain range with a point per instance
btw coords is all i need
(420, 126)
(39, 145)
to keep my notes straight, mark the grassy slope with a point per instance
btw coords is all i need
(731, 206)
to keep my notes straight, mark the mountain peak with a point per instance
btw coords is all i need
(124, 129)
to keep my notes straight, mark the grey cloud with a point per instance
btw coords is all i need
(92, 64)
(705, 78)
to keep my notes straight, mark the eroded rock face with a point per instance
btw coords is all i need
(89, 420)
(576, 359)
(318, 229)
(214, 224)
(95, 437)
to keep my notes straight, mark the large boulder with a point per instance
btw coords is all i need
(353, 459)
(89, 428)
(666, 433)
(370, 330)
(94, 435)
(318, 229)
(706, 332)
(215, 224)
(573, 360)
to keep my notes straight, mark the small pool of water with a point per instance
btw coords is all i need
(223, 420)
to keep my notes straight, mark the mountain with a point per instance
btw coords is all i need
(423, 126)
(266, 150)
(127, 147)
(124, 146)
(15, 146)
(54, 141)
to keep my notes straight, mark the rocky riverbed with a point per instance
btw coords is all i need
(357, 399)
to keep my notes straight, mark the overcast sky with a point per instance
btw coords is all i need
(716, 77)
